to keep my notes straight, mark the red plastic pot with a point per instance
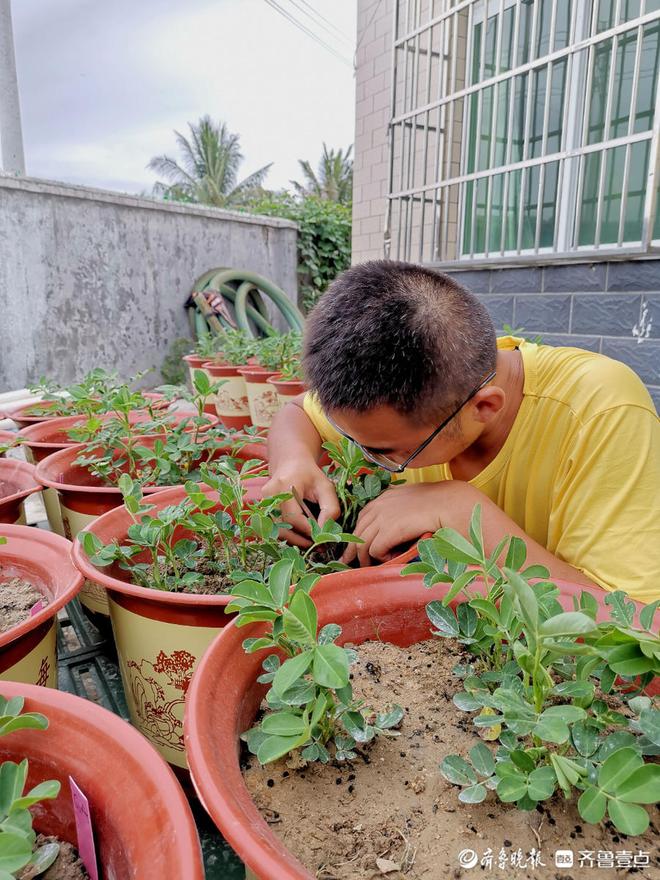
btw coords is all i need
(231, 401)
(160, 636)
(28, 650)
(21, 414)
(18, 479)
(143, 826)
(287, 389)
(263, 400)
(224, 699)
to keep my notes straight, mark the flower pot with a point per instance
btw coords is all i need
(82, 498)
(262, 397)
(23, 417)
(142, 823)
(287, 389)
(194, 362)
(17, 480)
(224, 699)
(160, 636)
(231, 401)
(28, 650)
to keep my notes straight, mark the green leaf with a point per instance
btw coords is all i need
(522, 760)
(387, 720)
(474, 529)
(301, 619)
(291, 670)
(450, 544)
(15, 852)
(283, 724)
(569, 623)
(482, 759)
(443, 619)
(516, 554)
(628, 818)
(12, 783)
(279, 582)
(457, 770)
(541, 783)
(551, 729)
(618, 767)
(44, 857)
(647, 614)
(466, 702)
(256, 592)
(567, 713)
(511, 788)
(529, 605)
(585, 738)
(623, 611)
(473, 794)
(642, 786)
(274, 747)
(592, 804)
(649, 723)
(462, 581)
(42, 792)
(330, 667)
(329, 633)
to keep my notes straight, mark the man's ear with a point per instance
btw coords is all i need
(487, 403)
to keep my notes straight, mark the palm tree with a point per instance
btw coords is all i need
(334, 180)
(208, 170)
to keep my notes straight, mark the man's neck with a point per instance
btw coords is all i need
(510, 377)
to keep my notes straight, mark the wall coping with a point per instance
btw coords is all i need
(92, 194)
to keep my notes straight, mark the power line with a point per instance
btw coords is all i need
(274, 5)
(318, 17)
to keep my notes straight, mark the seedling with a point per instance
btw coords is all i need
(280, 351)
(533, 686)
(93, 394)
(17, 837)
(310, 701)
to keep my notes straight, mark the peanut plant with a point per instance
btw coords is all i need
(93, 394)
(310, 701)
(536, 683)
(18, 849)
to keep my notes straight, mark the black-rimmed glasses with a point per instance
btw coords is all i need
(393, 467)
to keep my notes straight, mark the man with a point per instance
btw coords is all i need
(559, 446)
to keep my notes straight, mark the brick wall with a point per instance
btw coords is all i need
(612, 308)
(372, 114)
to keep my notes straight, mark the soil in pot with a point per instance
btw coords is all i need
(67, 866)
(389, 813)
(17, 598)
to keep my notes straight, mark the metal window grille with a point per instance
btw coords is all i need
(523, 128)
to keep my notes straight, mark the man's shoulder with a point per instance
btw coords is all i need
(587, 382)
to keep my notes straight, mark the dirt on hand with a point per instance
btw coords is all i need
(391, 814)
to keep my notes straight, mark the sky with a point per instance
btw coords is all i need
(104, 84)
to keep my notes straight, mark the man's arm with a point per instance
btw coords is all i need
(294, 450)
(404, 513)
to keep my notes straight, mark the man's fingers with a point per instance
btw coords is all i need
(294, 538)
(292, 514)
(326, 497)
(364, 550)
(349, 554)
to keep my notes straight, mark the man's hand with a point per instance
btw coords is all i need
(398, 516)
(312, 485)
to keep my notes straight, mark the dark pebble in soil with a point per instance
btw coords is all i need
(552, 821)
(270, 783)
(338, 780)
(285, 774)
(351, 777)
(506, 842)
(351, 789)
(403, 754)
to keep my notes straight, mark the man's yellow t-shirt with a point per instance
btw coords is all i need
(580, 470)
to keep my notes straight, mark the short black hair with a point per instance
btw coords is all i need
(397, 334)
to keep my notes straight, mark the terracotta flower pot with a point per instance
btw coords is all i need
(262, 397)
(224, 699)
(160, 636)
(195, 362)
(23, 417)
(142, 823)
(287, 389)
(18, 479)
(231, 401)
(28, 650)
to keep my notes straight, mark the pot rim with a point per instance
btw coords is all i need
(117, 735)
(27, 471)
(22, 544)
(213, 754)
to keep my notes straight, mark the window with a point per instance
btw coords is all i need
(523, 127)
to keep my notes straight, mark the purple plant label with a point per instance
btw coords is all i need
(36, 608)
(86, 848)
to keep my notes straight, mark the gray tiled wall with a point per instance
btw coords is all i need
(613, 308)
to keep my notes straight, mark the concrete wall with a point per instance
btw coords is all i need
(612, 308)
(90, 278)
(372, 114)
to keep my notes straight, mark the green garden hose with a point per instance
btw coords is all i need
(243, 290)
